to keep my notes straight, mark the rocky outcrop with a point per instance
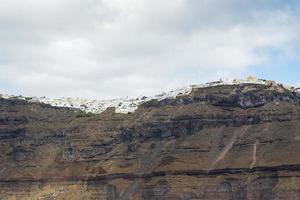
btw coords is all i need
(223, 142)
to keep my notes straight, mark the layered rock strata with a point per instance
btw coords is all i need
(222, 142)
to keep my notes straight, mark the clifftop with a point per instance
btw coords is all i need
(129, 105)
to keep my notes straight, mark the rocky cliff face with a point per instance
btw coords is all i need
(224, 142)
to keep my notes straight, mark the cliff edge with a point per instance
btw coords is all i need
(226, 141)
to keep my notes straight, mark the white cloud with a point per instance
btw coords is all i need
(111, 48)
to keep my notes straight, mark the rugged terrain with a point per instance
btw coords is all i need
(222, 142)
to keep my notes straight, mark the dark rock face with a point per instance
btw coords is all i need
(12, 134)
(157, 191)
(22, 155)
(228, 142)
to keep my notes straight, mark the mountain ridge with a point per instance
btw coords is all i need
(128, 105)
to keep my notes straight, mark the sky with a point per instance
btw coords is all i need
(101, 49)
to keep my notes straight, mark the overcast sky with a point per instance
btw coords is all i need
(116, 48)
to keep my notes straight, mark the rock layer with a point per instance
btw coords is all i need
(224, 142)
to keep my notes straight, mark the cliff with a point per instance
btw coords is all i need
(239, 141)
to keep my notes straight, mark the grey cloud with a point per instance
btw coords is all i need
(111, 48)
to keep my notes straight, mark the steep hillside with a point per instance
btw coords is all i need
(223, 142)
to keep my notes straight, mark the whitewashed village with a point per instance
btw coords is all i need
(129, 105)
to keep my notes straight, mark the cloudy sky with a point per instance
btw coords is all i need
(116, 48)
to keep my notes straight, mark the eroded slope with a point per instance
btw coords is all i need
(225, 142)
